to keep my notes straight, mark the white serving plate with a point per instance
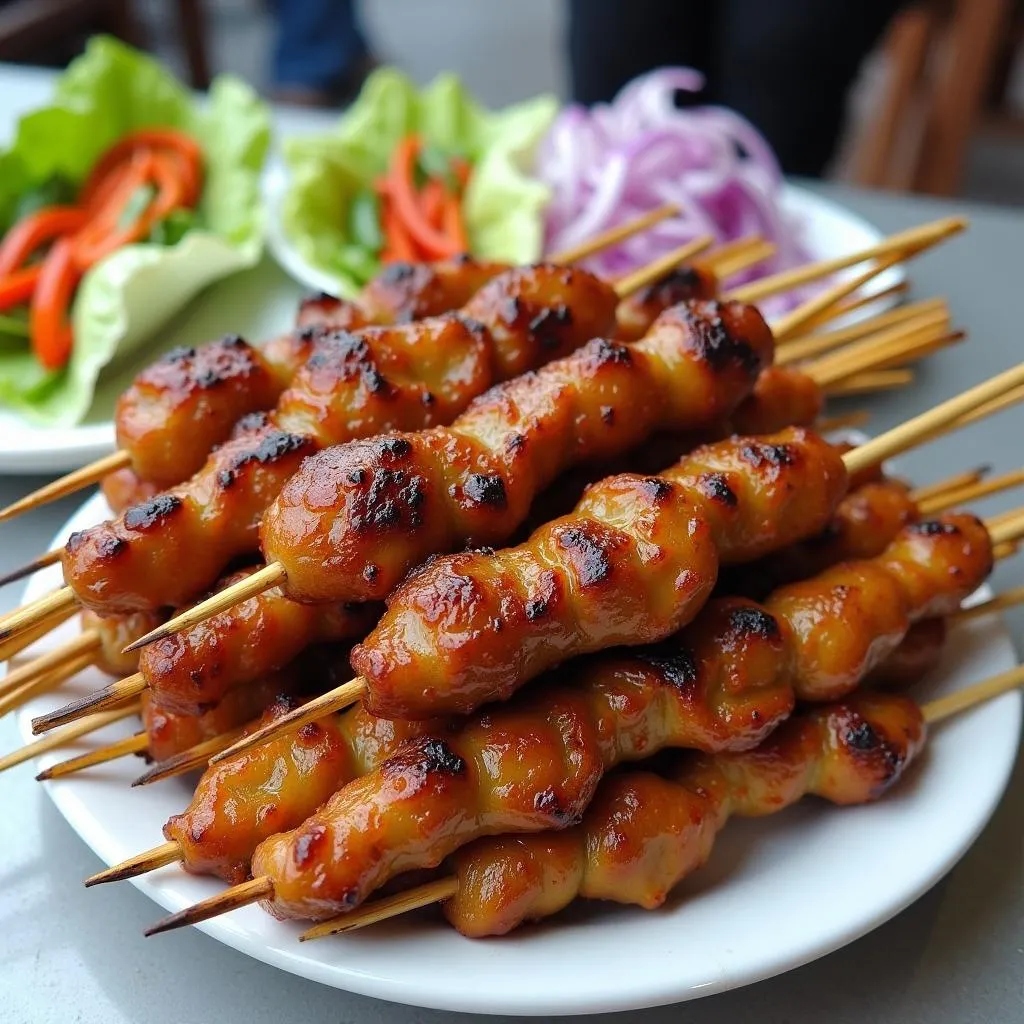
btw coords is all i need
(777, 893)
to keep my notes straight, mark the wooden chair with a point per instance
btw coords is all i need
(30, 27)
(948, 61)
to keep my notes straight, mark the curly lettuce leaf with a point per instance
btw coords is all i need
(503, 206)
(124, 300)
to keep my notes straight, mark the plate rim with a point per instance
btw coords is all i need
(513, 1001)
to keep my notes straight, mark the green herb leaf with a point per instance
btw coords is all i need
(173, 228)
(55, 191)
(364, 221)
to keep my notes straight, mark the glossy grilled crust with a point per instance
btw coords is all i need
(643, 833)
(413, 291)
(636, 314)
(124, 488)
(170, 732)
(633, 564)
(355, 519)
(849, 619)
(169, 550)
(274, 787)
(865, 522)
(194, 669)
(535, 763)
(185, 403)
(782, 397)
(116, 632)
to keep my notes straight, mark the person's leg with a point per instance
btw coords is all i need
(788, 65)
(319, 45)
(612, 41)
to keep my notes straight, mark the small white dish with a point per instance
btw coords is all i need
(777, 893)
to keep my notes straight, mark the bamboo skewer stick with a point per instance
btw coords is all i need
(109, 697)
(17, 644)
(134, 744)
(150, 860)
(262, 888)
(36, 565)
(871, 383)
(83, 727)
(193, 759)
(855, 302)
(1001, 602)
(44, 683)
(30, 615)
(85, 643)
(971, 492)
(810, 346)
(788, 325)
(950, 483)
(76, 481)
(619, 233)
(725, 267)
(910, 242)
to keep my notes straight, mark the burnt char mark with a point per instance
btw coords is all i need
(676, 665)
(547, 324)
(349, 355)
(760, 455)
(934, 528)
(657, 489)
(861, 736)
(750, 621)
(105, 542)
(548, 802)
(482, 489)
(536, 608)
(395, 448)
(178, 354)
(250, 422)
(308, 843)
(270, 448)
(715, 487)
(604, 352)
(717, 345)
(680, 285)
(391, 498)
(607, 415)
(438, 758)
(151, 513)
(590, 559)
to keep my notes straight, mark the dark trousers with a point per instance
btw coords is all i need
(786, 65)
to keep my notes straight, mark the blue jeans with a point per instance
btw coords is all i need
(318, 41)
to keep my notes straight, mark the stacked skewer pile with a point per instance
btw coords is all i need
(458, 487)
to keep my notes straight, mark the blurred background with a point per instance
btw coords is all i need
(937, 105)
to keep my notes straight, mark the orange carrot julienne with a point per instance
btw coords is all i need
(49, 324)
(401, 188)
(29, 233)
(17, 288)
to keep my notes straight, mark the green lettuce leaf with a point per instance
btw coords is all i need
(123, 301)
(503, 206)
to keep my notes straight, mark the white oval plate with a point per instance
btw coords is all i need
(777, 893)
(831, 230)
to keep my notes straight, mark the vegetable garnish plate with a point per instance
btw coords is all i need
(778, 892)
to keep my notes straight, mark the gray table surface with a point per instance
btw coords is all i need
(955, 956)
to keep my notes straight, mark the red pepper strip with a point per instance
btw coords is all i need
(48, 315)
(148, 139)
(398, 246)
(29, 233)
(160, 169)
(454, 226)
(103, 224)
(434, 244)
(17, 288)
(432, 203)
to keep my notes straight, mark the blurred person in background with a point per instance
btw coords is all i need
(320, 54)
(786, 65)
